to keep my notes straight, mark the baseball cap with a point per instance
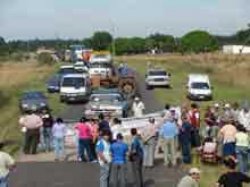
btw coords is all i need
(227, 105)
(216, 105)
(194, 171)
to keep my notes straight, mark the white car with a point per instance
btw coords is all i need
(75, 88)
(157, 78)
(81, 66)
(102, 69)
(199, 87)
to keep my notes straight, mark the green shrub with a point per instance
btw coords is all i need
(45, 58)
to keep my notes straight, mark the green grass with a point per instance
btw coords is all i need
(227, 90)
(35, 79)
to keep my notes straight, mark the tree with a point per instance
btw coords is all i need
(198, 41)
(101, 40)
(3, 46)
(164, 43)
(243, 37)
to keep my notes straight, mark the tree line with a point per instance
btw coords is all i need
(193, 42)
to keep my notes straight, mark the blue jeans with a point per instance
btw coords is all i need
(186, 152)
(242, 156)
(3, 181)
(85, 144)
(59, 147)
(104, 175)
(47, 138)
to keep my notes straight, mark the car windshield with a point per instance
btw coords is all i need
(106, 97)
(200, 85)
(157, 73)
(100, 65)
(66, 71)
(73, 82)
(33, 95)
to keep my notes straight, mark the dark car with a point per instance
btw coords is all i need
(33, 100)
(53, 84)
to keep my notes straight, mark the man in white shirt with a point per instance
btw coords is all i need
(7, 163)
(244, 118)
(138, 107)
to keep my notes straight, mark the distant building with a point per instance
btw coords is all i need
(236, 49)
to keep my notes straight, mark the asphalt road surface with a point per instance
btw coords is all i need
(75, 174)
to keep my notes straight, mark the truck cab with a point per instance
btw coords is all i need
(75, 88)
(199, 87)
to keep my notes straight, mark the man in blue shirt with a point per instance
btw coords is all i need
(136, 158)
(118, 165)
(168, 133)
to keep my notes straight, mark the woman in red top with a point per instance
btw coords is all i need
(84, 139)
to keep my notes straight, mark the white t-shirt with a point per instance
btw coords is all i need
(5, 161)
(138, 109)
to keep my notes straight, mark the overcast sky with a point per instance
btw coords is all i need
(29, 19)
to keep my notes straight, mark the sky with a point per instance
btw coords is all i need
(30, 19)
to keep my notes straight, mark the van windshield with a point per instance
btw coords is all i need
(157, 73)
(73, 82)
(200, 85)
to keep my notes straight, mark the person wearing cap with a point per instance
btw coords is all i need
(149, 136)
(138, 107)
(7, 164)
(227, 114)
(32, 123)
(232, 178)
(168, 132)
(190, 180)
(118, 171)
(104, 157)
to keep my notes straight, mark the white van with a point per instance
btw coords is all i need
(199, 87)
(75, 88)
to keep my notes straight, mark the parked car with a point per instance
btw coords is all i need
(199, 87)
(53, 84)
(156, 77)
(33, 100)
(81, 66)
(67, 69)
(108, 102)
(75, 88)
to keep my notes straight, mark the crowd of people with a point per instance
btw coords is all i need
(222, 136)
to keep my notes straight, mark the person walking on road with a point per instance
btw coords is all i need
(31, 124)
(138, 107)
(191, 180)
(136, 158)
(47, 129)
(59, 133)
(168, 133)
(7, 164)
(118, 166)
(149, 136)
(104, 157)
(85, 139)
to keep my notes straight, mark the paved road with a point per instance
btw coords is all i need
(73, 174)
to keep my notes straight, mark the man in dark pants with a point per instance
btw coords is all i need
(136, 158)
(32, 124)
(118, 165)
